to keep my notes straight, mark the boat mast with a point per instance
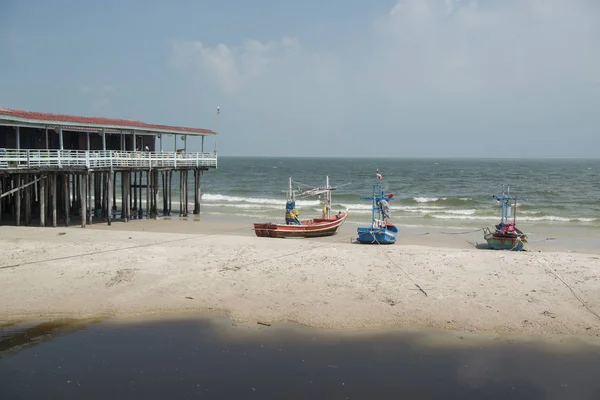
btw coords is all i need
(515, 212)
(291, 192)
(327, 197)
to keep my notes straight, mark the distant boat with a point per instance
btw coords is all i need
(506, 235)
(381, 231)
(325, 225)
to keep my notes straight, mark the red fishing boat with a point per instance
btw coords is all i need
(325, 225)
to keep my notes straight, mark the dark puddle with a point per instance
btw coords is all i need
(177, 358)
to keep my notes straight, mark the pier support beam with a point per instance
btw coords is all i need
(114, 191)
(170, 184)
(82, 189)
(42, 200)
(66, 199)
(90, 210)
(197, 191)
(155, 195)
(53, 183)
(18, 200)
(28, 200)
(110, 195)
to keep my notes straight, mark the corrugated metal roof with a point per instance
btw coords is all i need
(64, 120)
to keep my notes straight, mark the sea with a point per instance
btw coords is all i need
(447, 193)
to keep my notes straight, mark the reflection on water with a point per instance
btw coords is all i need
(176, 358)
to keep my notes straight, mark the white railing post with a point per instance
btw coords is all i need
(87, 159)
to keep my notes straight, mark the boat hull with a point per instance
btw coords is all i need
(500, 241)
(371, 235)
(316, 227)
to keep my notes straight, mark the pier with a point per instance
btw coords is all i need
(54, 167)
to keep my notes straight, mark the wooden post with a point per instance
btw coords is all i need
(18, 200)
(110, 189)
(114, 191)
(148, 194)
(170, 188)
(53, 189)
(156, 194)
(135, 192)
(67, 200)
(185, 188)
(78, 183)
(163, 175)
(181, 193)
(42, 199)
(82, 195)
(140, 208)
(128, 180)
(130, 194)
(198, 190)
(27, 200)
(88, 185)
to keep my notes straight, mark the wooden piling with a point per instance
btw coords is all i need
(148, 194)
(185, 194)
(110, 194)
(27, 200)
(18, 200)
(82, 195)
(66, 199)
(198, 190)
(156, 194)
(180, 193)
(134, 190)
(114, 191)
(88, 185)
(139, 189)
(170, 205)
(42, 199)
(53, 190)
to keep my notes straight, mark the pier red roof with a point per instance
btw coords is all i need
(42, 118)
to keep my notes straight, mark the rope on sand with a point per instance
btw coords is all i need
(548, 270)
(398, 266)
(92, 253)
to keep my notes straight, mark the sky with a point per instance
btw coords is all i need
(390, 78)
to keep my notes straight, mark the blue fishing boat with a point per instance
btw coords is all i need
(505, 235)
(381, 231)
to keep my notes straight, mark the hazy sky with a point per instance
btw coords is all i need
(487, 78)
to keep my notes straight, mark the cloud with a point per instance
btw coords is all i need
(426, 67)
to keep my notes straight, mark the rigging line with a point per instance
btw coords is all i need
(280, 256)
(401, 269)
(302, 184)
(548, 270)
(92, 253)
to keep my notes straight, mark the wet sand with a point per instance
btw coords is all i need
(217, 267)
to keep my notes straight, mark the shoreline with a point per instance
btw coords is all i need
(143, 269)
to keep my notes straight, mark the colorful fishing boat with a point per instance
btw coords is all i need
(325, 225)
(506, 235)
(381, 230)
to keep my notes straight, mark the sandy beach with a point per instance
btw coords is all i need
(168, 267)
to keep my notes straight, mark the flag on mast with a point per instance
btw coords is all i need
(378, 175)
(218, 110)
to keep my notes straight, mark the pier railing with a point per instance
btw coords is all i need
(11, 159)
